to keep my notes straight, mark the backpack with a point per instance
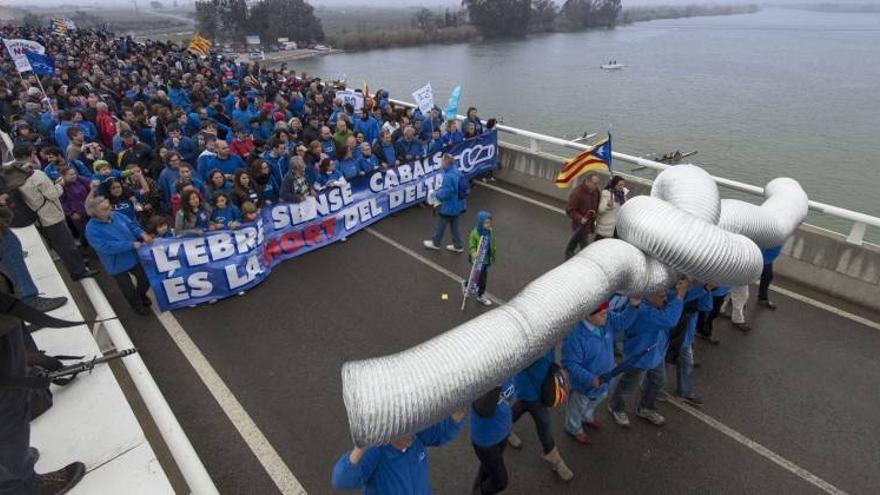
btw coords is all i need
(22, 214)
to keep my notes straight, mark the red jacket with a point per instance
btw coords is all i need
(242, 148)
(106, 129)
(583, 203)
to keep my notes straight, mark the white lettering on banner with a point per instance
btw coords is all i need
(196, 251)
(413, 193)
(201, 284)
(473, 156)
(252, 270)
(334, 199)
(246, 239)
(362, 213)
(175, 289)
(220, 246)
(288, 214)
(160, 257)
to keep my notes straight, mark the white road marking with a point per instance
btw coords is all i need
(785, 292)
(759, 449)
(712, 422)
(827, 307)
(253, 437)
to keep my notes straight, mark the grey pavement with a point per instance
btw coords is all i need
(803, 383)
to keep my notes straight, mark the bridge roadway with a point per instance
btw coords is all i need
(791, 407)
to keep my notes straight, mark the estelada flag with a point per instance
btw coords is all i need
(199, 45)
(595, 159)
(58, 25)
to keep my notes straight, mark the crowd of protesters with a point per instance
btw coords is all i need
(129, 142)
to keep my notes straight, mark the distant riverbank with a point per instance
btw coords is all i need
(406, 37)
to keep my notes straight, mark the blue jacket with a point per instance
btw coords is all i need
(324, 179)
(113, 241)
(188, 149)
(61, 139)
(389, 152)
(52, 172)
(168, 178)
(588, 351)
(229, 166)
(697, 294)
(651, 327)
(279, 165)
(409, 150)
(770, 254)
(368, 163)
(720, 291)
(225, 215)
(451, 138)
(350, 168)
(369, 127)
(385, 470)
(328, 147)
(529, 383)
(486, 432)
(450, 204)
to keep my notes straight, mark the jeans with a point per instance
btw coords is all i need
(440, 229)
(652, 381)
(684, 372)
(61, 240)
(492, 477)
(764, 285)
(737, 299)
(135, 295)
(13, 263)
(581, 409)
(579, 240)
(17, 474)
(541, 416)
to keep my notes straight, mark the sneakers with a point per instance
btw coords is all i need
(62, 480)
(651, 416)
(429, 244)
(593, 425)
(451, 247)
(708, 338)
(484, 301)
(46, 304)
(744, 327)
(514, 440)
(692, 401)
(580, 437)
(343, 239)
(767, 304)
(620, 418)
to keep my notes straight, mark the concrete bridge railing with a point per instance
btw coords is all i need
(818, 258)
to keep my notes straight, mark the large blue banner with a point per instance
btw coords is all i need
(193, 270)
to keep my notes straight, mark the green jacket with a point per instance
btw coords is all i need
(474, 244)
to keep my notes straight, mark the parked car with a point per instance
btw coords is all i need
(257, 55)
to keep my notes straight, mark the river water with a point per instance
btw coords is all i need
(778, 92)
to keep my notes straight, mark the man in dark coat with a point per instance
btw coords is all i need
(583, 204)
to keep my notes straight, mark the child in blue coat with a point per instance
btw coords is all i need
(588, 353)
(224, 215)
(398, 468)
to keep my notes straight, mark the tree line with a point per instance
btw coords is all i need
(232, 20)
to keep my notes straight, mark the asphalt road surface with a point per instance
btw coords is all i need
(791, 407)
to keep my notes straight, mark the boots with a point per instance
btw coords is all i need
(514, 441)
(555, 460)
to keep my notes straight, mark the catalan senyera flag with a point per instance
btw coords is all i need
(58, 25)
(595, 159)
(199, 45)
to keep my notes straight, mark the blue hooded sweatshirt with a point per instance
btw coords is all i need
(225, 215)
(588, 351)
(412, 149)
(385, 470)
(369, 127)
(368, 164)
(487, 432)
(651, 327)
(113, 241)
(529, 383)
(450, 204)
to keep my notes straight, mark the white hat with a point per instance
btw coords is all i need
(32, 91)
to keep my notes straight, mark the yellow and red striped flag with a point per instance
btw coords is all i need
(199, 45)
(595, 159)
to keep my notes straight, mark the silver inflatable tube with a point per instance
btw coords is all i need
(671, 232)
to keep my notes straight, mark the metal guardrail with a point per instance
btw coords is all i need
(175, 438)
(860, 221)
